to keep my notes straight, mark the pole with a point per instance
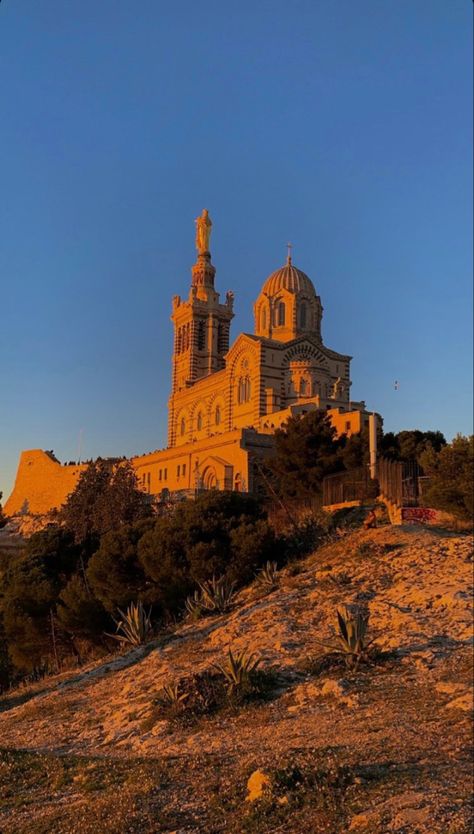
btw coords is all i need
(373, 446)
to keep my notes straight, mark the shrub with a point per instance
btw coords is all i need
(238, 670)
(114, 571)
(351, 640)
(451, 473)
(135, 625)
(213, 597)
(106, 496)
(219, 534)
(268, 577)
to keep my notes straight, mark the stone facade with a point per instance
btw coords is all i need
(226, 402)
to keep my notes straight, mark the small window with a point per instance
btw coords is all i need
(243, 391)
(264, 318)
(281, 314)
(303, 315)
(201, 336)
(160, 476)
(348, 425)
(199, 421)
(217, 417)
(184, 469)
(303, 388)
(179, 470)
(182, 427)
(166, 474)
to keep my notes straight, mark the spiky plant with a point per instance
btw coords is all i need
(170, 695)
(217, 595)
(268, 577)
(213, 597)
(135, 625)
(194, 606)
(351, 639)
(237, 670)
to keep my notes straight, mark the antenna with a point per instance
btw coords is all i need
(79, 445)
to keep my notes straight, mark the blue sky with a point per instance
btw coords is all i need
(344, 127)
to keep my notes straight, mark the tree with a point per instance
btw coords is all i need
(410, 445)
(220, 533)
(451, 473)
(114, 572)
(32, 585)
(306, 449)
(3, 520)
(79, 612)
(106, 497)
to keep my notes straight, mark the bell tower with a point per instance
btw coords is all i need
(201, 323)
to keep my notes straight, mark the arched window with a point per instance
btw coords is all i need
(201, 336)
(303, 315)
(281, 313)
(243, 394)
(222, 338)
(264, 318)
(182, 426)
(199, 421)
(217, 416)
(303, 388)
(238, 482)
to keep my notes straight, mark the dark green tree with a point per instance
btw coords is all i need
(105, 498)
(219, 533)
(31, 588)
(451, 473)
(410, 444)
(306, 449)
(79, 613)
(114, 572)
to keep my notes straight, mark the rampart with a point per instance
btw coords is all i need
(42, 483)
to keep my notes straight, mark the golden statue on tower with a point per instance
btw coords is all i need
(203, 232)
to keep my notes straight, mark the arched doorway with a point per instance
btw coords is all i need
(209, 478)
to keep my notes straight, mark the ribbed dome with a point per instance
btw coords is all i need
(288, 278)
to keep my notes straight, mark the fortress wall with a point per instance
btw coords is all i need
(41, 484)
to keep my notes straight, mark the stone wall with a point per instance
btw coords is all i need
(42, 483)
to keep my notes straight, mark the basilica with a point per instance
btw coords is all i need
(226, 399)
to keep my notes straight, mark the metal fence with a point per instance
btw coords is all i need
(353, 485)
(398, 481)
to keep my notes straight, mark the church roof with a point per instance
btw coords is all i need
(290, 278)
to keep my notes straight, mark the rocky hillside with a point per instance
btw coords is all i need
(327, 749)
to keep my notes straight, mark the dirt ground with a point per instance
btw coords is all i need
(384, 748)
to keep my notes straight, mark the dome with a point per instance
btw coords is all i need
(290, 278)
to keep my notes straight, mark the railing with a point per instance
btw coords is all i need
(353, 485)
(398, 481)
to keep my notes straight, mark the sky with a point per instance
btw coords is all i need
(342, 127)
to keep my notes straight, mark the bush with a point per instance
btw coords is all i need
(106, 497)
(115, 573)
(219, 534)
(451, 472)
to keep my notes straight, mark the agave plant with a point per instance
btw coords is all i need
(217, 594)
(351, 638)
(170, 695)
(135, 625)
(238, 669)
(213, 597)
(193, 605)
(268, 576)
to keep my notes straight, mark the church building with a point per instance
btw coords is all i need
(226, 400)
